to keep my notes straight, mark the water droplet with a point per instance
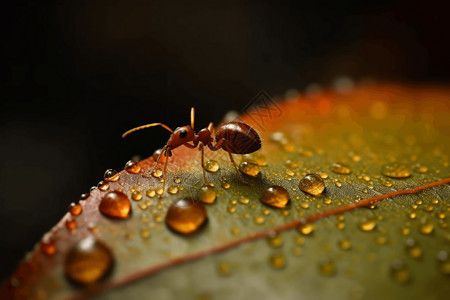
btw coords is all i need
(212, 166)
(420, 169)
(136, 196)
(145, 233)
(413, 248)
(275, 196)
(327, 268)
(88, 261)
(405, 231)
(344, 244)
(386, 182)
(224, 268)
(275, 241)
(412, 215)
(231, 209)
(207, 194)
(340, 225)
(111, 175)
(75, 209)
(186, 216)
(258, 220)
(380, 240)
(150, 193)
(103, 185)
(396, 171)
(71, 224)
(400, 272)
(278, 261)
(306, 229)
(172, 190)
(48, 247)
(312, 184)
(84, 196)
(426, 226)
(244, 200)
(132, 167)
(279, 137)
(116, 205)
(444, 262)
(235, 231)
(157, 173)
(340, 168)
(249, 168)
(160, 191)
(225, 183)
(368, 225)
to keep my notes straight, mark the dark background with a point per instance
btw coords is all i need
(76, 74)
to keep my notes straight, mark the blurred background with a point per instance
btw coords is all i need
(75, 75)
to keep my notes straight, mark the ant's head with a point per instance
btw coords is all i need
(180, 136)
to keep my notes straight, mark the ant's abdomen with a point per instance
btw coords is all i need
(239, 137)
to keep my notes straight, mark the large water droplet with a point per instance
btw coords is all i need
(132, 167)
(340, 168)
(212, 166)
(207, 194)
(88, 261)
(312, 184)
(395, 170)
(275, 196)
(116, 205)
(249, 168)
(111, 175)
(186, 216)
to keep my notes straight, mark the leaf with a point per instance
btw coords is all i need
(395, 250)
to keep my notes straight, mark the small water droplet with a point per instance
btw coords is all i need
(84, 196)
(344, 244)
(420, 169)
(426, 227)
(207, 194)
(386, 182)
(258, 220)
(340, 168)
(212, 166)
(48, 246)
(244, 200)
(145, 233)
(405, 231)
(157, 173)
(249, 168)
(235, 231)
(278, 261)
(395, 170)
(380, 240)
(413, 248)
(400, 272)
(71, 224)
(177, 180)
(116, 205)
(136, 196)
(307, 229)
(75, 209)
(132, 167)
(312, 184)
(160, 191)
(111, 175)
(186, 216)
(275, 196)
(412, 215)
(150, 193)
(327, 268)
(279, 137)
(172, 190)
(275, 241)
(224, 268)
(103, 185)
(88, 261)
(340, 225)
(368, 225)
(444, 262)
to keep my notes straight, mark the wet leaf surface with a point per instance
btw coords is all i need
(373, 140)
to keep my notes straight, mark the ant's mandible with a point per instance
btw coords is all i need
(233, 137)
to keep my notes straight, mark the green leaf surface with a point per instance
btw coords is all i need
(390, 251)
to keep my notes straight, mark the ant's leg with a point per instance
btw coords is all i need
(237, 171)
(201, 148)
(165, 172)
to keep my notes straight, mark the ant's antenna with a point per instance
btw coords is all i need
(192, 117)
(146, 126)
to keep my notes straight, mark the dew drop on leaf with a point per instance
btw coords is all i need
(186, 216)
(327, 268)
(275, 196)
(278, 261)
(344, 244)
(103, 186)
(368, 225)
(340, 168)
(312, 184)
(395, 170)
(88, 261)
(443, 259)
(111, 175)
(212, 166)
(132, 167)
(413, 248)
(136, 196)
(400, 272)
(249, 168)
(207, 194)
(426, 227)
(116, 205)
(71, 224)
(307, 229)
(75, 209)
(48, 246)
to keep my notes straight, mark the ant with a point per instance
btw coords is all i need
(233, 137)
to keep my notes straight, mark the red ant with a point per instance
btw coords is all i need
(233, 137)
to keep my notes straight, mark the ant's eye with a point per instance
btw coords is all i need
(183, 134)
